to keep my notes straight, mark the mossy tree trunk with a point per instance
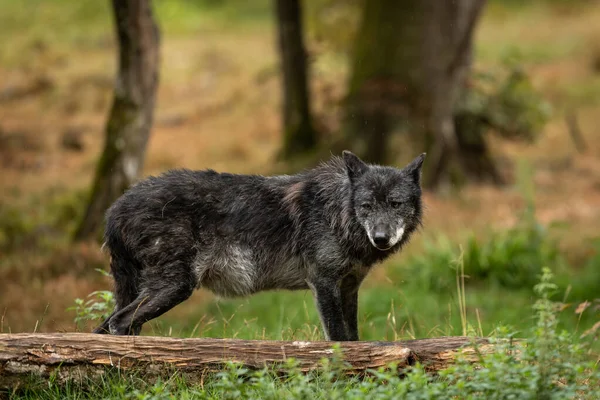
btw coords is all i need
(299, 133)
(130, 119)
(408, 70)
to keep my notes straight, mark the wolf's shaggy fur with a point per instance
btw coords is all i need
(322, 229)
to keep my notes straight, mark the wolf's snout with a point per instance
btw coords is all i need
(381, 239)
(384, 237)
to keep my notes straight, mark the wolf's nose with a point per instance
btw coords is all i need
(380, 239)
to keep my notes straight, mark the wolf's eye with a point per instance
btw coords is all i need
(366, 206)
(395, 204)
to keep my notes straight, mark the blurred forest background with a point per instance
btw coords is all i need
(504, 95)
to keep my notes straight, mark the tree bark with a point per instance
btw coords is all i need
(299, 135)
(79, 355)
(130, 119)
(408, 70)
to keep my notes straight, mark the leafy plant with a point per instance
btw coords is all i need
(15, 227)
(99, 305)
(548, 364)
(504, 101)
(511, 258)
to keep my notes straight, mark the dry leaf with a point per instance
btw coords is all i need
(563, 306)
(592, 330)
(582, 307)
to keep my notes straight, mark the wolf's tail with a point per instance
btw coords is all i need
(126, 274)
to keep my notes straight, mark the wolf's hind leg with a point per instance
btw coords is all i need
(164, 288)
(126, 276)
(103, 328)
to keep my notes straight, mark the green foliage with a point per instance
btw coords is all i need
(41, 220)
(545, 363)
(520, 4)
(15, 226)
(511, 258)
(581, 285)
(98, 307)
(65, 208)
(550, 364)
(505, 101)
(57, 26)
(324, 19)
(517, 109)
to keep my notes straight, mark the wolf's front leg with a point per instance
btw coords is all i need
(329, 304)
(349, 292)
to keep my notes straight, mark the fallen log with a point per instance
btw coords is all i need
(78, 355)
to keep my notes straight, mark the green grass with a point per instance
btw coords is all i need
(548, 363)
(402, 310)
(44, 221)
(62, 25)
(386, 313)
(530, 53)
(583, 93)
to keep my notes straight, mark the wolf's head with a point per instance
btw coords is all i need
(386, 200)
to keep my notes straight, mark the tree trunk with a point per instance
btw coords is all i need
(380, 88)
(78, 355)
(130, 119)
(474, 154)
(299, 134)
(408, 70)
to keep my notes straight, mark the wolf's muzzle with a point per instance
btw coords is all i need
(381, 239)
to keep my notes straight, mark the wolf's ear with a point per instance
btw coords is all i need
(355, 166)
(414, 168)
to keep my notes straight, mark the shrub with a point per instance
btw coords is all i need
(504, 101)
(512, 258)
(40, 221)
(98, 307)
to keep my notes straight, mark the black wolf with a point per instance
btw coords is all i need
(322, 229)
